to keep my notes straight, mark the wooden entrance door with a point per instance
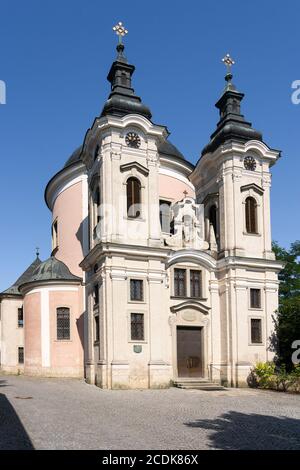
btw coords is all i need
(189, 351)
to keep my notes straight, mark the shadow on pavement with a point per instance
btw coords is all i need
(240, 431)
(12, 433)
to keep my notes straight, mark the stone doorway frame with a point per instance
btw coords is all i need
(191, 313)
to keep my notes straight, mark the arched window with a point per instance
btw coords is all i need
(213, 218)
(63, 323)
(251, 215)
(133, 197)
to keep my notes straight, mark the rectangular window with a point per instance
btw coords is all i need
(180, 282)
(255, 298)
(195, 283)
(165, 216)
(54, 235)
(20, 318)
(21, 355)
(136, 290)
(256, 336)
(137, 326)
(63, 323)
(96, 295)
(97, 328)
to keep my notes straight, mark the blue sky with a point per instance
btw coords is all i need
(55, 57)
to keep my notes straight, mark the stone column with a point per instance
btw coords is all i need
(215, 341)
(119, 326)
(159, 369)
(90, 364)
(153, 199)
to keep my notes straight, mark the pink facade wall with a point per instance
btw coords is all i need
(67, 356)
(32, 330)
(173, 188)
(67, 209)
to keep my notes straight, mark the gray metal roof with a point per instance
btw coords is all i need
(168, 148)
(51, 270)
(74, 158)
(14, 289)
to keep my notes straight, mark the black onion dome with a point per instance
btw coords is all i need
(122, 99)
(232, 125)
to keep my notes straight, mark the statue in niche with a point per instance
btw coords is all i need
(188, 225)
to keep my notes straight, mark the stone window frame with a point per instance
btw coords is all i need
(138, 278)
(54, 235)
(71, 328)
(19, 321)
(94, 187)
(133, 174)
(188, 269)
(168, 201)
(96, 334)
(256, 317)
(135, 170)
(144, 312)
(256, 193)
(261, 298)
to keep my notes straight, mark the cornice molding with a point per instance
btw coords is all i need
(136, 165)
(193, 304)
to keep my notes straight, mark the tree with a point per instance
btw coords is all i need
(287, 320)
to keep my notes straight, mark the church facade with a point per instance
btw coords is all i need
(160, 270)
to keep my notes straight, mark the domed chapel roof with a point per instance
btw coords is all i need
(51, 270)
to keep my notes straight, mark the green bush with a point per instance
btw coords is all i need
(265, 372)
(266, 375)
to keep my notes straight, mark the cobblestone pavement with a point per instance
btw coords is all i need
(69, 414)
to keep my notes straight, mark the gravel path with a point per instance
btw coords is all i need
(69, 414)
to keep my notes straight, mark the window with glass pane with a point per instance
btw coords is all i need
(165, 216)
(195, 282)
(54, 235)
(137, 326)
(96, 294)
(136, 290)
(255, 298)
(20, 318)
(133, 198)
(213, 218)
(97, 328)
(180, 282)
(63, 323)
(251, 215)
(256, 336)
(21, 355)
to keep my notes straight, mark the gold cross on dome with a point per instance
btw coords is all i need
(185, 193)
(120, 30)
(228, 61)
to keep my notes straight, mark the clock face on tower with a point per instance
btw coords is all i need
(133, 140)
(249, 163)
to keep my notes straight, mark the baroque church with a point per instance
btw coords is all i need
(161, 271)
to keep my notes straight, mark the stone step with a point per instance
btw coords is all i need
(200, 384)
